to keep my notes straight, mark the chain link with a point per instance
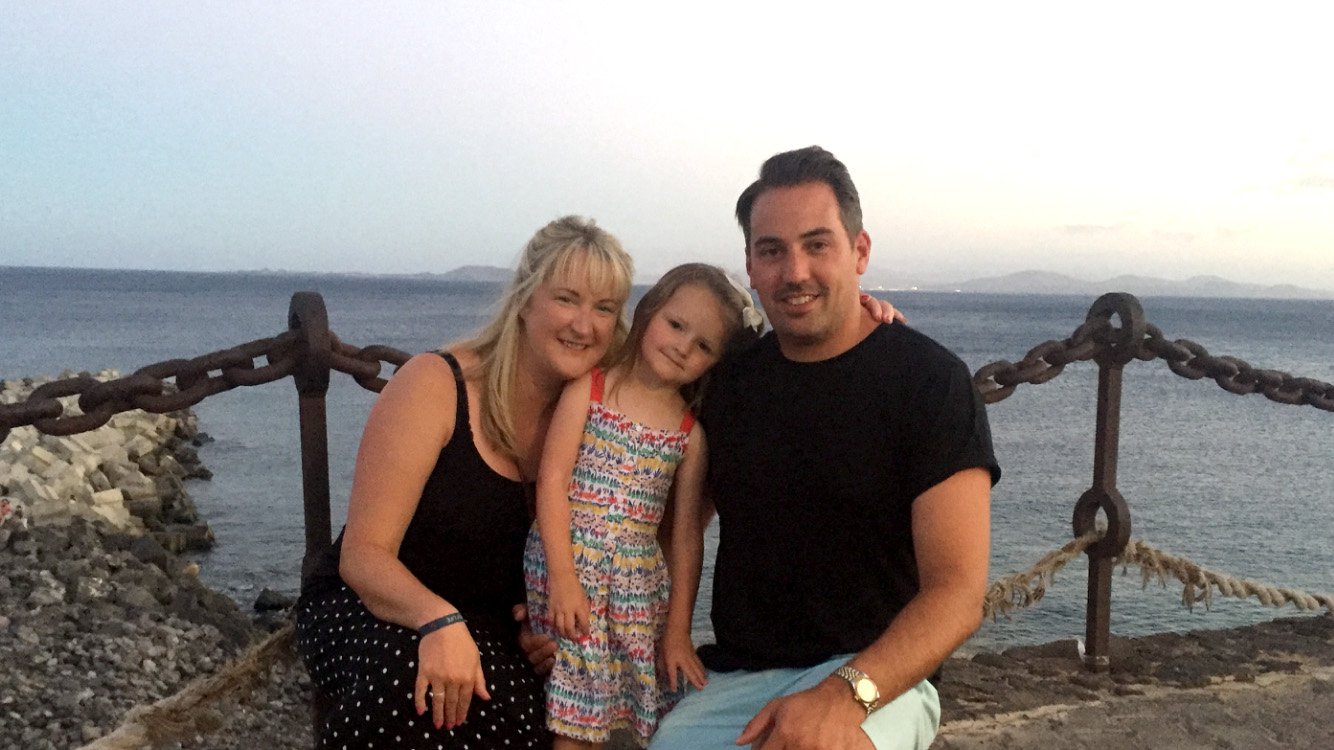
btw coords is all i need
(193, 379)
(997, 380)
(149, 389)
(177, 384)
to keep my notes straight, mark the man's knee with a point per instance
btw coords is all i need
(909, 722)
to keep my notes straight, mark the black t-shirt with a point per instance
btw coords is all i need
(813, 468)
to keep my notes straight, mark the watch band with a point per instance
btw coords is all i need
(864, 689)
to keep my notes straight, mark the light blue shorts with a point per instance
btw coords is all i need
(714, 717)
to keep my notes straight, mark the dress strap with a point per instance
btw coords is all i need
(461, 416)
(687, 421)
(595, 389)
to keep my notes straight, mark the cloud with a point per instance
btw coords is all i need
(1313, 182)
(1311, 170)
(1089, 229)
(1175, 236)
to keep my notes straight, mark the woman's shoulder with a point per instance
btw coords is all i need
(425, 376)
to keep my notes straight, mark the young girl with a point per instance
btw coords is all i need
(595, 573)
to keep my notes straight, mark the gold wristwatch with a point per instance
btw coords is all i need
(864, 689)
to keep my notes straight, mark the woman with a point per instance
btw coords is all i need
(407, 623)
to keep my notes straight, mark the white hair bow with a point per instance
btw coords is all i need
(750, 316)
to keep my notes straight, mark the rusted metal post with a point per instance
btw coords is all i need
(1103, 495)
(307, 315)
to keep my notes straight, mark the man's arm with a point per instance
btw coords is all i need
(951, 536)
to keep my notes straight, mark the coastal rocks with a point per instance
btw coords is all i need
(126, 474)
(98, 613)
(95, 625)
(1025, 678)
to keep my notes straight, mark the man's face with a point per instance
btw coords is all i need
(806, 269)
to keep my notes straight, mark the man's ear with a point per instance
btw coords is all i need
(861, 247)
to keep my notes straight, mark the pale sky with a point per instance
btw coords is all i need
(1166, 139)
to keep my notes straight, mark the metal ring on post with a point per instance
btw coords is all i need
(1110, 501)
(1125, 342)
(308, 317)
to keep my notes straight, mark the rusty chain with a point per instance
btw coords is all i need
(364, 364)
(997, 380)
(193, 379)
(180, 383)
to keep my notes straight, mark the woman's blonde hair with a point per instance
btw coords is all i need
(567, 246)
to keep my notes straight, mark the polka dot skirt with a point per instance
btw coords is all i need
(368, 667)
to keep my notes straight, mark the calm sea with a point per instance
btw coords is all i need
(1236, 483)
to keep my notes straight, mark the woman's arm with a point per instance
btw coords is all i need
(569, 603)
(399, 447)
(685, 559)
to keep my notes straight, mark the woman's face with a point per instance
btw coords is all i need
(569, 324)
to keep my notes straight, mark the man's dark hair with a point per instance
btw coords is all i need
(790, 168)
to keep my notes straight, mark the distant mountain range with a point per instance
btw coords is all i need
(479, 273)
(1032, 282)
(1046, 282)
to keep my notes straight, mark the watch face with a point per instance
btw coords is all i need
(866, 691)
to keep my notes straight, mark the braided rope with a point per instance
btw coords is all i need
(186, 713)
(1199, 583)
(1024, 589)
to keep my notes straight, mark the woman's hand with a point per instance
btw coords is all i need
(540, 650)
(450, 667)
(569, 607)
(881, 310)
(678, 653)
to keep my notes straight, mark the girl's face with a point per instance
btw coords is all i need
(685, 337)
(569, 324)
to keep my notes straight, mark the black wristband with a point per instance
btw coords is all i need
(438, 623)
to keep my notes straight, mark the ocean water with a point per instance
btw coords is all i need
(1238, 484)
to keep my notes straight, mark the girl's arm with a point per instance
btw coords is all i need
(686, 557)
(568, 602)
(399, 448)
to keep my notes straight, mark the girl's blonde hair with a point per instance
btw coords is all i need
(567, 246)
(743, 321)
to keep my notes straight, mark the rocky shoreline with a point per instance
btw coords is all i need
(98, 611)
(99, 614)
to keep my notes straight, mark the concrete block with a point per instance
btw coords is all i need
(112, 496)
(113, 453)
(101, 437)
(116, 471)
(80, 493)
(51, 511)
(13, 473)
(139, 490)
(139, 446)
(39, 458)
(98, 481)
(116, 515)
(86, 462)
(55, 470)
(34, 491)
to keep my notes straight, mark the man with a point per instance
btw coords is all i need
(850, 465)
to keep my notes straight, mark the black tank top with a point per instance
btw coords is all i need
(465, 540)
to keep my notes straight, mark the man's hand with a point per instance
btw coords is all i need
(540, 650)
(821, 718)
